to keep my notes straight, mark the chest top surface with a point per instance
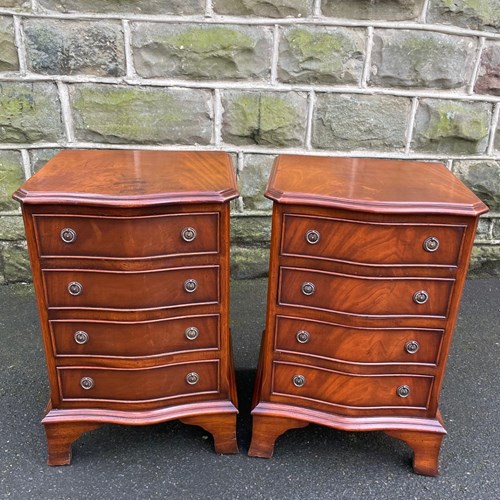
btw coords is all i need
(371, 185)
(129, 178)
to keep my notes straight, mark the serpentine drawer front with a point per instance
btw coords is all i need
(132, 282)
(368, 263)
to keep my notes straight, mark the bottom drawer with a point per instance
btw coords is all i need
(139, 385)
(305, 383)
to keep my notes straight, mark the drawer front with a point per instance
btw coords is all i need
(364, 296)
(132, 339)
(132, 290)
(127, 237)
(162, 382)
(358, 391)
(371, 243)
(357, 345)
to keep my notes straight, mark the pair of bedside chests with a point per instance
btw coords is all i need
(130, 259)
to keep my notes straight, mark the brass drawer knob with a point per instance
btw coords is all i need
(75, 288)
(81, 337)
(308, 288)
(87, 383)
(420, 297)
(191, 333)
(312, 236)
(403, 391)
(299, 380)
(188, 234)
(68, 235)
(412, 346)
(431, 244)
(303, 336)
(190, 285)
(192, 378)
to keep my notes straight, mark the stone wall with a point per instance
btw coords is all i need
(410, 79)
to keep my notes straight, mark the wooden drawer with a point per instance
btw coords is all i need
(354, 391)
(127, 237)
(357, 345)
(132, 339)
(363, 296)
(164, 382)
(371, 242)
(131, 290)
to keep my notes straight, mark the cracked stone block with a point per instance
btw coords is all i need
(29, 112)
(252, 181)
(56, 47)
(267, 118)
(452, 127)
(202, 52)
(321, 55)
(391, 10)
(473, 14)
(408, 58)
(141, 115)
(488, 79)
(264, 8)
(483, 177)
(126, 6)
(8, 51)
(360, 122)
(11, 177)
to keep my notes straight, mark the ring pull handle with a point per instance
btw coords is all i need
(299, 380)
(412, 346)
(75, 288)
(81, 337)
(403, 391)
(312, 236)
(190, 285)
(308, 288)
(192, 378)
(303, 336)
(188, 234)
(87, 383)
(431, 244)
(192, 333)
(420, 297)
(68, 235)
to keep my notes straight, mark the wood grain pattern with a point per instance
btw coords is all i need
(132, 178)
(365, 258)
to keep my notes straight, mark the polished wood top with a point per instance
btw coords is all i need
(129, 178)
(371, 185)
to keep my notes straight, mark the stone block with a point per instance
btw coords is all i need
(29, 112)
(251, 231)
(252, 181)
(483, 177)
(141, 115)
(348, 122)
(11, 227)
(249, 263)
(408, 58)
(496, 229)
(216, 52)
(16, 263)
(267, 118)
(57, 47)
(321, 55)
(391, 10)
(16, 4)
(473, 14)
(264, 8)
(39, 157)
(8, 51)
(485, 261)
(11, 177)
(451, 127)
(126, 6)
(483, 231)
(488, 79)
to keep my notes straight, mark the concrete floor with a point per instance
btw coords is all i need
(177, 461)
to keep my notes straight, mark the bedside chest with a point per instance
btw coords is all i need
(130, 259)
(368, 262)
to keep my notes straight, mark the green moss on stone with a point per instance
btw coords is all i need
(318, 45)
(275, 113)
(488, 11)
(211, 40)
(11, 177)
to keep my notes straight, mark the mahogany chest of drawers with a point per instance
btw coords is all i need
(368, 262)
(130, 259)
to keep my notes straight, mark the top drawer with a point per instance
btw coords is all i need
(127, 237)
(370, 242)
